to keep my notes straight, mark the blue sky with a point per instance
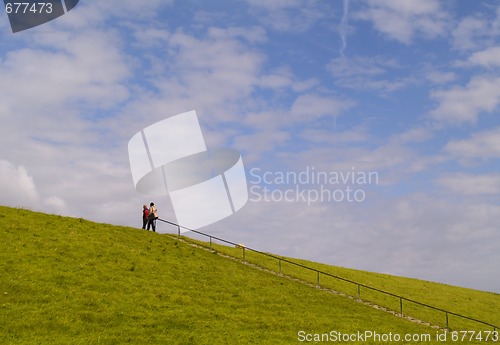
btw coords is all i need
(407, 89)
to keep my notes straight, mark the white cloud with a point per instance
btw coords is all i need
(359, 134)
(271, 129)
(480, 145)
(305, 85)
(438, 77)
(269, 119)
(489, 57)
(476, 31)
(261, 142)
(343, 67)
(19, 190)
(57, 204)
(278, 79)
(468, 184)
(394, 159)
(413, 135)
(252, 35)
(151, 37)
(50, 83)
(469, 34)
(309, 107)
(60, 91)
(461, 105)
(214, 72)
(95, 14)
(17, 186)
(402, 20)
(367, 73)
(496, 22)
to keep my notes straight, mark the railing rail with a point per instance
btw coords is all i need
(319, 272)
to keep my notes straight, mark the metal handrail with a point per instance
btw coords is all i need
(401, 298)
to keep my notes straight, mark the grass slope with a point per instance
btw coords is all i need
(480, 305)
(71, 281)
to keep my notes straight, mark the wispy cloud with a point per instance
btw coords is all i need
(402, 20)
(343, 27)
(368, 73)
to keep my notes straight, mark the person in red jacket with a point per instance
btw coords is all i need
(145, 216)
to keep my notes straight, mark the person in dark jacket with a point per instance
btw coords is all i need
(145, 216)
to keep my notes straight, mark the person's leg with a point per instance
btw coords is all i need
(153, 222)
(144, 223)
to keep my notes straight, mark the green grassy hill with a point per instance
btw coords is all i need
(479, 305)
(71, 281)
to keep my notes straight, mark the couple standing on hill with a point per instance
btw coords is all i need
(149, 216)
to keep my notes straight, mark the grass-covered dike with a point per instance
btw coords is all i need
(71, 281)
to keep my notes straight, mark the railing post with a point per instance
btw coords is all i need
(210, 243)
(401, 305)
(318, 281)
(281, 272)
(244, 256)
(447, 322)
(359, 292)
(179, 231)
